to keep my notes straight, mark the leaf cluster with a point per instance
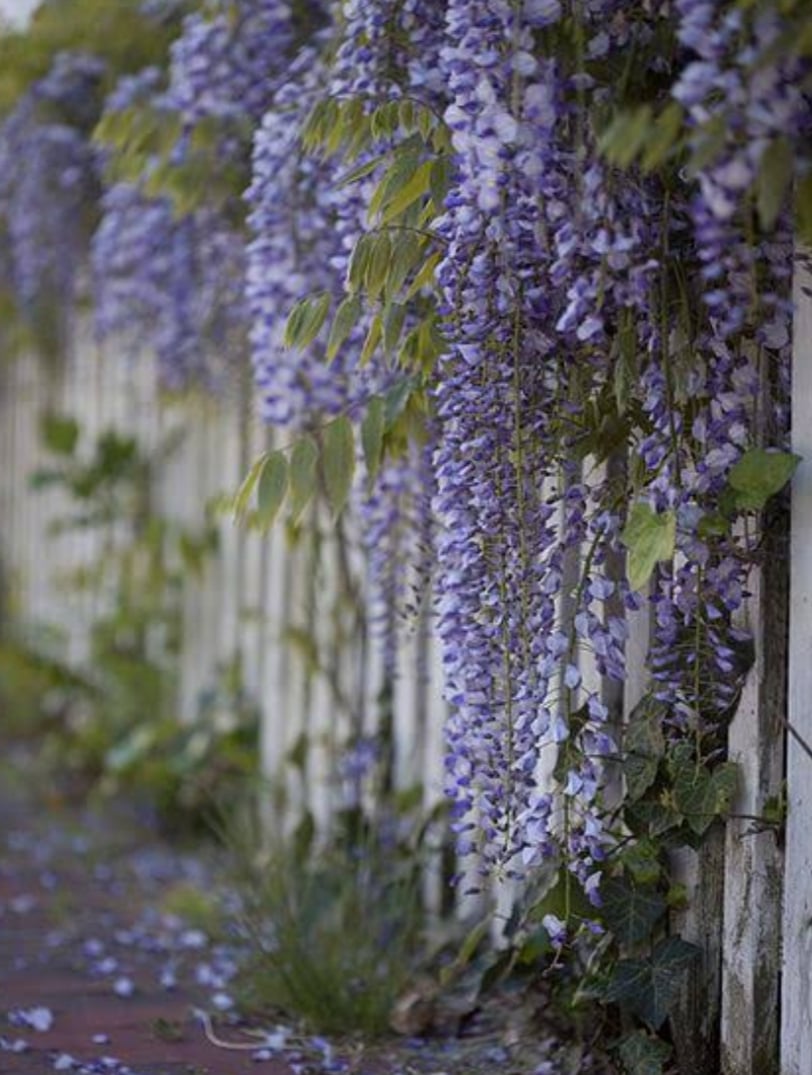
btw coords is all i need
(120, 34)
(323, 462)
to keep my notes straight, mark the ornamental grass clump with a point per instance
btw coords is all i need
(336, 932)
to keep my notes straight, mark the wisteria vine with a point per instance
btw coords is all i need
(566, 229)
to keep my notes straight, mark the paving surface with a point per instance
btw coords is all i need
(99, 974)
(94, 976)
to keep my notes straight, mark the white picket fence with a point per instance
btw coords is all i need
(257, 594)
(260, 594)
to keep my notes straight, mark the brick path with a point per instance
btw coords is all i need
(77, 922)
(83, 919)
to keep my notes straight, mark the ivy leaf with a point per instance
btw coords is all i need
(760, 474)
(630, 912)
(648, 987)
(642, 1054)
(338, 460)
(642, 859)
(703, 795)
(644, 746)
(650, 537)
(273, 484)
(774, 179)
(372, 431)
(656, 817)
(302, 475)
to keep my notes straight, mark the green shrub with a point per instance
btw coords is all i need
(337, 930)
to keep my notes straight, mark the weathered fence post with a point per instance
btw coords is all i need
(752, 909)
(796, 983)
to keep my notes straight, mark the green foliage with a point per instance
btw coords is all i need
(643, 748)
(648, 987)
(630, 911)
(273, 484)
(391, 270)
(323, 462)
(125, 732)
(650, 537)
(759, 475)
(192, 774)
(38, 689)
(60, 434)
(339, 462)
(336, 926)
(643, 1054)
(701, 795)
(118, 33)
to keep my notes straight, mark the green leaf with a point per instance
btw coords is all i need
(702, 795)
(378, 266)
(243, 495)
(625, 371)
(648, 987)
(642, 1054)
(396, 176)
(392, 326)
(440, 180)
(338, 460)
(642, 860)
(406, 253)
(655, 817)
(626, 136)
(663, 136)
(803, 208)
(630, 912)
(305, 321)
(649, 537)
(425, 277)
(273, 484)
(372, 431)
(416, 188)
(713, 524)
(359, 261)
(302, 475)
(643, 747)
(361, 171)
(344, 322)
(372, 340)
(397, 398)
(59, 434)
(774, 180)
(707, 143)
(760, 474)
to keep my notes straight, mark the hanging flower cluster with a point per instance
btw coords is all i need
(48, 181)
(170, 278)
